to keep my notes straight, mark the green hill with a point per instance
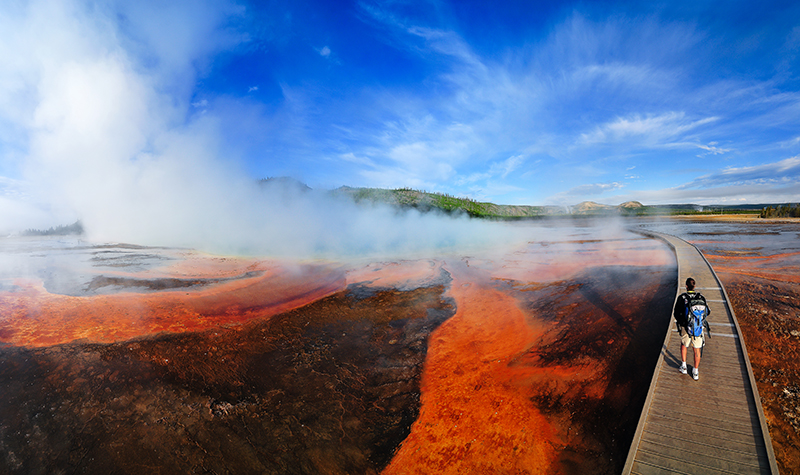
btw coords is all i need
(424, 201)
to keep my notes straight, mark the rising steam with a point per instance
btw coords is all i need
(102, 135)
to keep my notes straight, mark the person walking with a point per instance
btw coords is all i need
(691, 311)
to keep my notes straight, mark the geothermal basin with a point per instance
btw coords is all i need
(527, 358)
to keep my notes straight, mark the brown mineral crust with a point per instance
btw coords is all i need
(34, 317)
(768, 311)
(331, 387)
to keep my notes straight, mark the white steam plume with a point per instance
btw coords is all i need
(99, 134)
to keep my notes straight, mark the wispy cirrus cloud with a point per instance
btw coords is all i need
(584, 192)
(776, 173)
(653, 130)
(766, 183)
(712, 149)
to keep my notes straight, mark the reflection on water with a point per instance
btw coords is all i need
(533, 357)
(65, 265)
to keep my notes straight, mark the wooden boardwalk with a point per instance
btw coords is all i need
(713, 425)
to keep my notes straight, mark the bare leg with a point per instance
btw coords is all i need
(696, 356)
(683, 353)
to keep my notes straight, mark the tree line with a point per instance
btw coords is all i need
(783, 211)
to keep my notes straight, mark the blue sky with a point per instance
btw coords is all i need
(521, 102)
(516, 102)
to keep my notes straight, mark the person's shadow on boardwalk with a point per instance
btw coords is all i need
(673, 360)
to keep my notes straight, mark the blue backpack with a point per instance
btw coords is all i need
(697, 311)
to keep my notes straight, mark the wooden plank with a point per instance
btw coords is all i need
(724, 409)
(686, 383)
(723, 403)
(756, 454)
(711, 370)
(674, 434)
(698, 418)
(705, 453)
(697, 465)
(720, 385)
(728, 413)
(716, 428)
(640, 468)
(684, 436)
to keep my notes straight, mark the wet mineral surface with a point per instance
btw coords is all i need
(536, 359)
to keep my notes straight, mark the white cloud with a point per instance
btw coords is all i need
(593, 189)
(589, 191)
(712, 149)
(793, 142)
(651, 129)
(508, 166)
(777, 182)
(777, 173)
(735, 194)
(324, 51)
(357, 159)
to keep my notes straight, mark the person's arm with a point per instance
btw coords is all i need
(680, 311)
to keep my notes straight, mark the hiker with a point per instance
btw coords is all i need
(691, 326)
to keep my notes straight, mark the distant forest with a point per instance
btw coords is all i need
(75, 228)
(783, 211)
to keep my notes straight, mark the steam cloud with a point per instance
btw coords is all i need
(95, 121)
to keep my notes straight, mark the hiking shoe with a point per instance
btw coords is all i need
(695, 374)
(683, 368)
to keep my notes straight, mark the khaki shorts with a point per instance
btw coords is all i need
(694, 341)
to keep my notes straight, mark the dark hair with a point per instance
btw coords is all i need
(689, 284)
